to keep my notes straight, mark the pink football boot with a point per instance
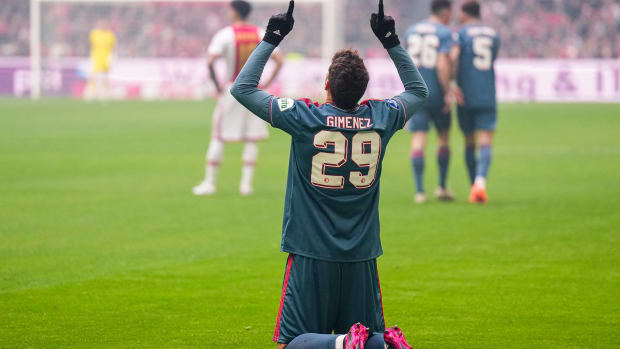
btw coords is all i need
(357, 337)
(395, 339)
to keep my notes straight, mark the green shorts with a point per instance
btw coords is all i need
(328, 297)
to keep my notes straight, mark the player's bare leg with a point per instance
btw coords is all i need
(89, 91)
(484, 138)
(94, 87)
(99, 86)
(418, 144)
(105, 87)
(250, 155)
(213, 160)
(443, 159)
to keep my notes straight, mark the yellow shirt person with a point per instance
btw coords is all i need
(102, 42)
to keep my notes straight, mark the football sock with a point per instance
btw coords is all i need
(314, 341)
(470, 161)
(211, 173)
(417, 161)
(250, 154)
(484, 162)
(339, 344)
(214, 157)
(481, 182)
(443, 159)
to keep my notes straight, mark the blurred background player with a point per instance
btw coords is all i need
(429, 43)
(231, 121)
(102, 44)
(477, 112)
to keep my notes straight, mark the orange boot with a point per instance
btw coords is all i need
(478, 194)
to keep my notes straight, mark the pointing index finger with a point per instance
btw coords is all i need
(381, 14)
(291, 7)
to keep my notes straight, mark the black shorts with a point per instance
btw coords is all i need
(328, 297)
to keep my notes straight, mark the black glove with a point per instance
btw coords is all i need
(280, 25)
(384, 28)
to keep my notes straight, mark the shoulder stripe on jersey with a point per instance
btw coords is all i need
(366, 102)
(309, 102)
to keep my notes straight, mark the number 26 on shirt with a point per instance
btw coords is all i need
(365, 151)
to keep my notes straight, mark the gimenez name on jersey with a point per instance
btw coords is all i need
(349, 122)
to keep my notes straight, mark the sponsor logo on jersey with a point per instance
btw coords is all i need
(285, 103)
(392, 103)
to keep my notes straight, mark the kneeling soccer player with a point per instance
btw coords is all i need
(331, 216)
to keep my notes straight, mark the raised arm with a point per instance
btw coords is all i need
(416, 91)
(245, 89)
(278, 59)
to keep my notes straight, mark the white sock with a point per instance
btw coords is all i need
(340, 342)
(247, 175)
(250, 154)
(481, 182)
(211, 174)
(214, 156)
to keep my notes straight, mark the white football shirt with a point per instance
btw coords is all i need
(235, 44)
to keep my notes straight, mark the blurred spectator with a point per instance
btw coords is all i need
(556, 28)
(14, 35)
(529, 28)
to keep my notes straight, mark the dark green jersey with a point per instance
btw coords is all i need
(332, 196)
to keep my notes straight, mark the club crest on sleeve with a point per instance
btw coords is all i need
(285, 103)
(392, 103)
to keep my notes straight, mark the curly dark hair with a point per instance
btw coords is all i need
(348, 78)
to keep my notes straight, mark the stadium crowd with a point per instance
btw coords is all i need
(530, 28)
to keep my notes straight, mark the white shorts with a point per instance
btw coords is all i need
(232, 122)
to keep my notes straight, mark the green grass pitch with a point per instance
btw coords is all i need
(102, 244)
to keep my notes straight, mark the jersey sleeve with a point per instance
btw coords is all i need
(219, 42)
(287, 114)
(390, 112)
(416, 91)
(446, 41)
